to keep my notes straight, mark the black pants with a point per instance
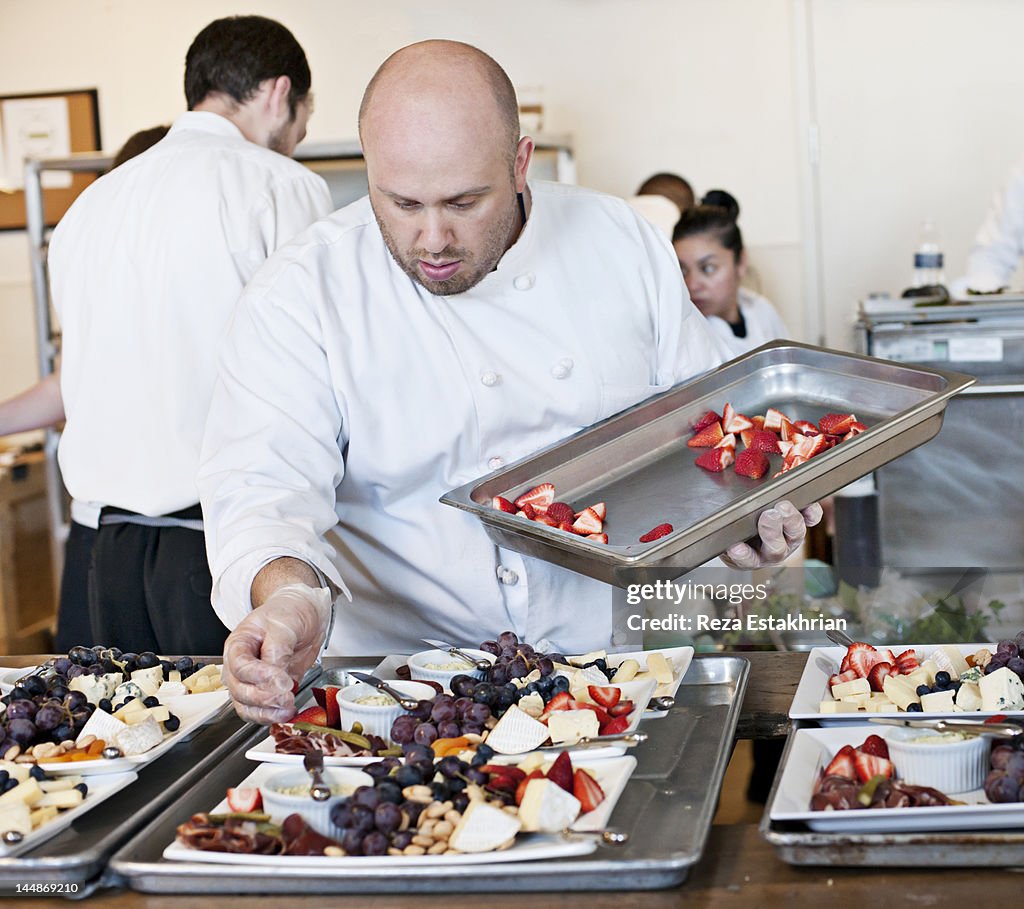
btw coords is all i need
(73, 625)
(149, 589)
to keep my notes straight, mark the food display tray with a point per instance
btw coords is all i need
(666, 807)
(639, 464)
(796, 844)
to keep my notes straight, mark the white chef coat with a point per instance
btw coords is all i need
(350, 399)
(146, 268)
(762, 321)
(999, 243)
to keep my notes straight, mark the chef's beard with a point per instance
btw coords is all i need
(474, 268)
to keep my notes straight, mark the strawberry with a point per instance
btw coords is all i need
(544, 519)
(785, 447)
(600, 509)
(623, 708)
(587, 522)
(876, 745)
(843, 764)
(747, 437)
(806, 427)
(662, 530)
(615, 725)
(315, 715)
(763, 440)
(505, 770)
(566, 526)
(787, 430)
(877, 675)
(527, 511)
(715, 460)
(560, 771)
(907, 662)
(561, 701)
(502, 782)
(602, 714)
(503, 504)
(863, 661)
(328, 699)
(856, 647)
(598, 538)
(790, 461)
(605, 695)
(751, 463)
(539, 497)
(869, 765)
(847, 675)
(728, 441)
(758, 422)
(537, 774)
(773, 419)
(587, 791)
(855, 430)
(728, 413)
(708, 437)
(836, 424)
(737, 423)
(805, 446)
(560, 512)
(705, 421)
(996, 718)
(245, 800)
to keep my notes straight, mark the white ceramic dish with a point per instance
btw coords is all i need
(100, 789)
(317, 814)
(612, 775)
(419, 666)
(376, 719)
(812, 749)
(951, 767)
(823, 663)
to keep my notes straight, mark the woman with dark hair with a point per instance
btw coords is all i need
(709, 247)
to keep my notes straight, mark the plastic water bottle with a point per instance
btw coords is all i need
(928, 261)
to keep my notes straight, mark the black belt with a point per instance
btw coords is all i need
(190, 518)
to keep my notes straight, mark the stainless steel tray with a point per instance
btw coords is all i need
(639, 464)
(797, 845)
(667, 808)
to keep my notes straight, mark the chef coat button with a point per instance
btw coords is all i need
(559, 372)
(509, 577)
(490, 379)
(567, 362)
(620, 637)
(524, 282)
(495, 463)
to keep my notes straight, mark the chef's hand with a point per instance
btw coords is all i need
(271, 649)
(782, 530)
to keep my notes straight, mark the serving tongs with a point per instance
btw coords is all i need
(629, 739)
(965, 727)
(313, 761)
(407, 702)
(480, 665)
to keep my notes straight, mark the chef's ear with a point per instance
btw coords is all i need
(524, 154)
(277, 98)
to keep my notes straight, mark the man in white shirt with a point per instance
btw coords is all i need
(454, 321)
(145, 269)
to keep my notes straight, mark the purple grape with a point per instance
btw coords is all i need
(478, 714)
(498, 675)
(21, 709)
(22, 731)
(48, 717)
(545, 666)
(472, 729)
(449, 730)
(1009, 648)
(443, 712)
(462, 685)
(1000, 755)
(490, 647)
(461, 704)
(341, 814)
(1016, 665)
(1019, 641)
(366, 796)
(422, 709)
(352, 842)
(62, 665)
(403, 729)
(426, 734)
(517, 668)
(1014, 767)
(461, 802)
(387, 817)
(75, 700)
(74, 672)
(361, 818)
(403, 839)
(1001, 788)
(375, 843)
(508, 639)
(412, 810)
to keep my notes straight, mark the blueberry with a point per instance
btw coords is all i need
(183, 664)
(81, 787)
(172, 723)
(37, 772)
(10, 784)
(922, 690)
(106, 705)
(408, 776)
(148, 660)
(485, 751)
(914, 708)
(942, 678)
(151, 701)
(4, 777)
(561, 683)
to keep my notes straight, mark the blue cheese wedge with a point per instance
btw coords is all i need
(567, 727)
(127, 690)
(1001, 690)
(969, 696)
(484, 829)
(94, 687)
(547, 807)
(517, 732)
(149, 680)
(140, 737)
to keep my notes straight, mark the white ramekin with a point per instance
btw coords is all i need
(418, 666)
(376, 719)
(949, 767)
(316, 814)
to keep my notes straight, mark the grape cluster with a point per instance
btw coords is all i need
(444, 716)
(498, 698)
(1005, 781)
(516, 659)
(1009, 654)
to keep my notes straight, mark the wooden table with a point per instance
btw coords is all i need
(738, 869)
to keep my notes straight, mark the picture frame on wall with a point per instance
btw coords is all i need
(47, 125)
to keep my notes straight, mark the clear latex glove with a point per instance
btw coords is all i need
(782, 529)
(269, 652)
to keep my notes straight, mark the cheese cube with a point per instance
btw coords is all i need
(16, 816)
(569, 726)
(626, 670)
(484, 828)
(92, 686)
(880, 705)
(917, 677)
(838, 707)
(547, 807)
(66, 798)
(127, 690)
(660, 667)
(1001, 690)
(900, 691)
(17, 772)
(172, 689)
(938, 701)
(857, 698)
(27, 792)
(969, 696)
(857, 686)
(40, 816)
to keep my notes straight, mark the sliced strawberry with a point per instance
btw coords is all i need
(907, 662)
(537, 774)
(805, 446)
(623, 708)
(527, 511)
(560, 512)
(996, 718)
(836, 423)
(785, 447)
(856, 647)
(566, 526)
(855, 430)
(602, 714)
(502, 782)
(587, 522)
(598, 538)
(869, 765)
(790, 461)
(787, 430)
(876, 745)
(728, 441)
(715, 460)
(737, 423)
(605, 695)
(877, 675)
(328, 699)
(728, 413)
(600, 509)
(587, 791)
(503, 504)
(561, 771)
(561, 701)
(843, 764)
(615, 725)
(245, 799)
(708, 437)
(763, 440)
(747, 437)
(861, 663)
(315, 715)
(773, 419)
(505, 770)
(806, 427)
(758, 422)
(656, 533)
(705, 421)
(539, 497)
(544, 519)
(847, 675)
(751, 463)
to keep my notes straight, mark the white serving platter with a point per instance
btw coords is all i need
(100, 789)
(812, 749)
(612, 775)
(823, 662)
